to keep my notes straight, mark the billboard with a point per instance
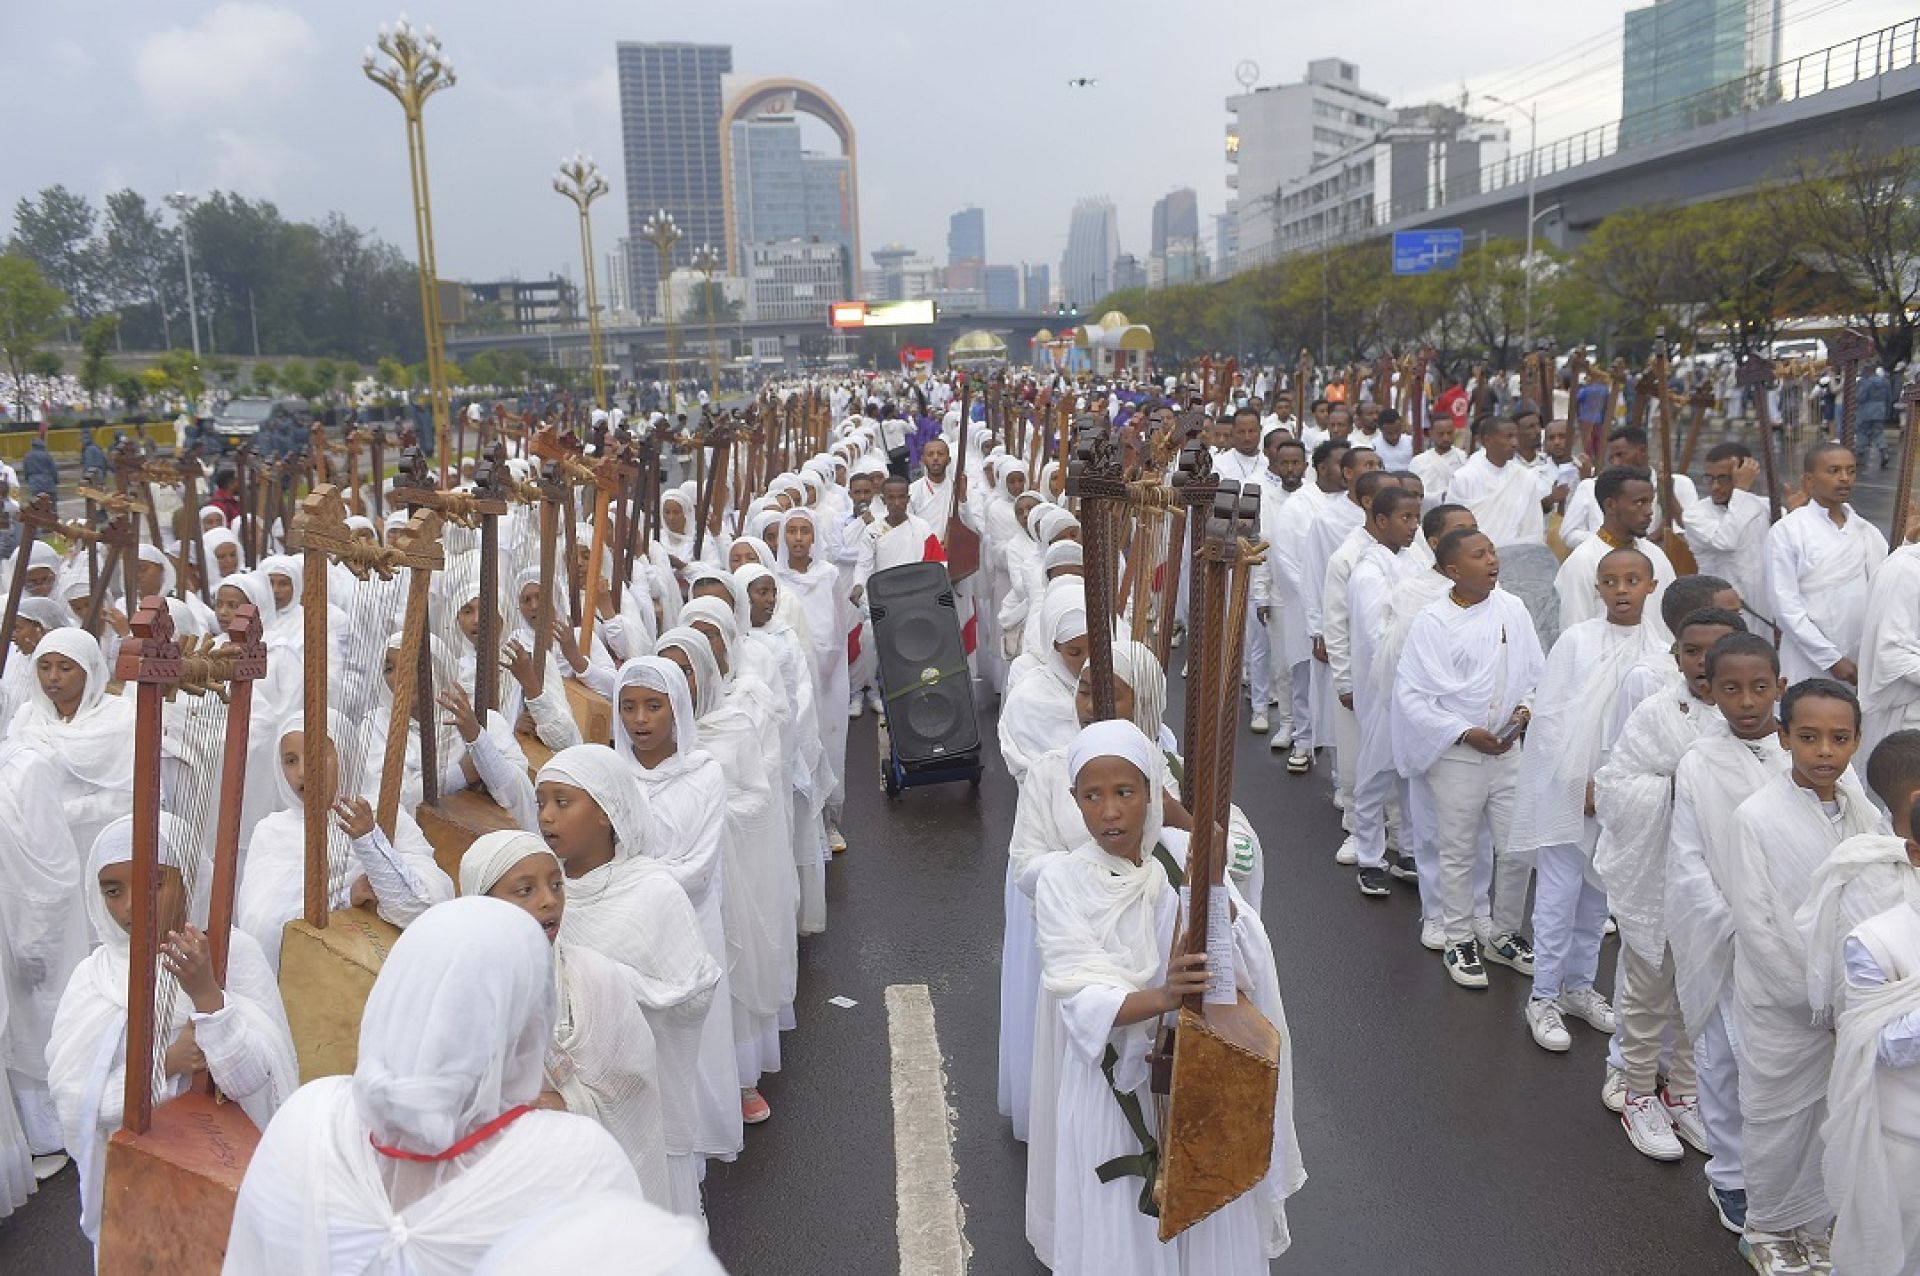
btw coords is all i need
(881, 314)
(1421, 252)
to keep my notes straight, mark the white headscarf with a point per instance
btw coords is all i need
(664, 676)
(706, 674)
(493, 854)
(605, 778)
(95, 744)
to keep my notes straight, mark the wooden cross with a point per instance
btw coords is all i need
(1903, 490)
(1755, 374)
(1847, 352)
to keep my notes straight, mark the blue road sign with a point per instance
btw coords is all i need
(1421, 252)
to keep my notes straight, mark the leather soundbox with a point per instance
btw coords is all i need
(170, 1192)
(923, 665)
(1217, 1142)
(451, 826)
(325, 976)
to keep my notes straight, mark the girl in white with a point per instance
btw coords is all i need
(238, 1033)
(86, 733)
(433, 1149)
(1038, 715)
(815, 586)
(1105, 915)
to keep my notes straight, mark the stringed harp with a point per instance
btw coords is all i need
(962, 542)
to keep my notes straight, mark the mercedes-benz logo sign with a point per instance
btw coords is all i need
(1248, 73)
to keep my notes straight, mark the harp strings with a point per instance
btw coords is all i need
(374, 607)
(193, 739)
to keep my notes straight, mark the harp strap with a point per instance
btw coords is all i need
(465, 1145)
(928, 678)
(1145, 1162)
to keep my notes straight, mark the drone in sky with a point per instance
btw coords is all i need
(1083, 82)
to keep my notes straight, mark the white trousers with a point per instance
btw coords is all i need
(1569, 918)
(1346, 750)
(1713, 1059)
(1300, 692)
(1469, 791)
(1257, 657)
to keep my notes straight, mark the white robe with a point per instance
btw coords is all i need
(1580, 595)
(1505, 500)
(1435, 470)
(1890, 650)
(1730, 541)
(1461, 668)
(1863, 876)
(1287, 562)
(1817, 576)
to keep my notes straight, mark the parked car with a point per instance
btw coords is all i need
(242, 419)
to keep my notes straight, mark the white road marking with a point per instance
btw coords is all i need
(928, 1215)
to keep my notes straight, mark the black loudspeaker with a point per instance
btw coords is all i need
(923, 668)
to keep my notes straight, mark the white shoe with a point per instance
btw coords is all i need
(1613, 1091)
(1647, 1127)
(1299, 761)
(856, 707)
(1684, 1112)
(1611, 928)
(875, 703)
(1348, 855)
(45, 1167)
(1259, 725)
(1774, 1254)
(1587, 1004)
(1543, 1020)
(1433, 934)
(1281, 741)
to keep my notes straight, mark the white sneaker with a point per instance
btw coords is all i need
(48, 1165)
(1684, 1112)
(1817, 1246)
(1774, 1254)
(856, 707)
(1647, 1127)
(1588, 1004)
(1613, 1091)
(1433, 934)
(1543, 1020)
(1259, 725)
(1348, 855)
(1299, 761)
(875, 703)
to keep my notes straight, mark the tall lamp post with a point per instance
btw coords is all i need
(660, 231)
(414, 70)
(1533, 124)
(707, 260)
(580, 180)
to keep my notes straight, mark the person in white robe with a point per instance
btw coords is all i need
(830, 616)
(1332, 524)
(1626, 502)
(761, 898)
(1890, 650)
(1438, 462)
(656, 735)
(237, 1032)
(1335, 716)
(1104, 916)
(603, 1062)
(1268, 671)
(1873, 1100)
(433, 1149)
(84, 732)
(1467, 669)
(1781, 835)
(1038, 714)
(1819, 559)
(1287, 559)
(1393, 521)
(1501, 490)
(1727, 528)
(607, 1232)
(398, 876)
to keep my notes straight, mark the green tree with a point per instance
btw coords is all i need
(141, 270)
(129, 390)
(391, 374)
(326, 376)
(29, 312)
(55, 230)
(725, 309)
(44, 363)
(265, 378)
(298, 379)
(96, 369)
(1857, 220)
(184, 376)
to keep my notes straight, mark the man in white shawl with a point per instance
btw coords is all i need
(1576, 716)
(1269, 666)
(1393, 520)
(237, 1032)
(1332, 523)
(1890, 649)
(1633, 803)
(1439, 462)
(1818, 560)
(1335, 717)
(1467, 669)
(1626, 499)
(1782, 834)
(1104, 916)
(433, 1149)
(1727, 528)
(1501, 490)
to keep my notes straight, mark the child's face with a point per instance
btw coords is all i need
(1745, 688)
(116, 890)
(763, 595)
(1074, 653)
(1690, 653)
(282, 588)
(799, 534)
(149, 578)
(740, 556)
(1475, 568)
(1822, 738)
(571, 821)
(647, 714)
(26, 634)
(715, 640)
(227, 600)
(674, 515)
(64, 681)
(1112, 796)
(530, 602)
(468, 618)
(1083, 699)
(537, 885)
(228, 558)
(1625, 584)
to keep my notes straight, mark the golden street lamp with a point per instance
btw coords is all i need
(580, 180)
(707, 259)
(660, 231)
(414, 70)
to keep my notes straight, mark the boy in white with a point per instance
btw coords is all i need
(1781, 835)
(1436, 466)
(1633, 801)
(1332, 524)
(1393, 520)
(1288, 560)
(1575, 718)
(1336, 644)
(1626, 504)
(1459, 704)
(1727, 528)
(1500, 489)
(1269, 672)
(1818, 560)
(1890, 649)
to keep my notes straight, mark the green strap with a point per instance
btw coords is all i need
(1172, 867)
(1145, 1162)
(926, 680)
(1175, 767)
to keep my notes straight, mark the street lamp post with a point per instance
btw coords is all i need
(580, 180)
(415, 69)
(661, 231)
(707, 260)
(182, 204)
(1533, 123)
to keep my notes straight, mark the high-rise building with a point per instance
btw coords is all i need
(1001, 284)
(1128, 272)
(619, 300)
(793, 280)
(1038, 292)
(967, 236)
(1093, 241)
(1176, 215)
(900, 274)
(783, 193)
(1688, 62)
(670, 138)
(1279, 133)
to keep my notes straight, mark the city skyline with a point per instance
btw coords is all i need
(267, 100)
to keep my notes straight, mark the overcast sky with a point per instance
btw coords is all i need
(953, 104)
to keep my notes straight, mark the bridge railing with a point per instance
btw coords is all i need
(1865, 57)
